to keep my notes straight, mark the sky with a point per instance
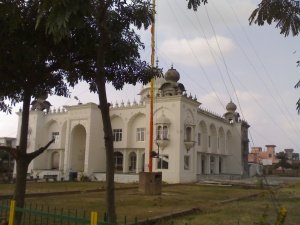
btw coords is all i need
(220, 57)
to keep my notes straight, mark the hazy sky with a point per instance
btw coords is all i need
(220, 57)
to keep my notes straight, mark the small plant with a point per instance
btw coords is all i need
(264, 217)
(281, 216)
(84, 178)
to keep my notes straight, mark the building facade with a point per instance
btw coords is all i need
(6, 161)
(189, 142)
(266, 157)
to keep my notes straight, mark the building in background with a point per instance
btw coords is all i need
(267, 157)
(291, 155)
(190, 142)
(6, 161)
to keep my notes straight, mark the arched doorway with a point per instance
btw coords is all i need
(118, 156)
(55, 161)
(77, 154)
(132, 162)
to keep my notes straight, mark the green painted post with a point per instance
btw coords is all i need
(24, 215)
(55, 214)
(35, 217)
(84, 214)
(125, 221)
(135, 220)
(47, 218)
(69, 216)
(29, 216)
(42, 209)
(61, 214)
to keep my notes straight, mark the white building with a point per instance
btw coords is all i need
(192, 142)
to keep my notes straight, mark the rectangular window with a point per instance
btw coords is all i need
(140, 134)
(117, 134)
(209, 141)
(165, 133)
(55, 136)
(199, 139)
(163, 162)
(186, 162)
(158, 133)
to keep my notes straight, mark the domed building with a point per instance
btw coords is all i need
(189, 143)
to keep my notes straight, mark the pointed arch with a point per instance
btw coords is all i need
(229, 143)
(137, 128)
(78, 147)
(221, 141)
(212, 139)
(53, 131)
(118, 159)
(203, 136)
(132, 159)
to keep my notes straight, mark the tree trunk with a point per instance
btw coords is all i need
(108, 138)
(20, 188)
(21, 158)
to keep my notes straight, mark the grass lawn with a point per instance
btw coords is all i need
(250, 211)
(38, 187)
(131, 203)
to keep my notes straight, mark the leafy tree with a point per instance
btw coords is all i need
(285, 13)
(193, 4)
(28, 68)
(104, 48)
(283, 161)
(282, 12)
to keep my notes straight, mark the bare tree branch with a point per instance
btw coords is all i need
(36, 153)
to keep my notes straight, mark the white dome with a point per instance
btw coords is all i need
(172, 75)
(231, 107)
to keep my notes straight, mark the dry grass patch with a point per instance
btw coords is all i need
(131, 203)
(249, 211)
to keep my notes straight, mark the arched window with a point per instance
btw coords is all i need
(188, 134)
(159, 133)
(132, 162)
(118, 156)
(165, 133)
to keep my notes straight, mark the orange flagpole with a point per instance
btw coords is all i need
(152, 87)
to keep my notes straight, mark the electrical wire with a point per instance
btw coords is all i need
(200, 64)
(283, 110)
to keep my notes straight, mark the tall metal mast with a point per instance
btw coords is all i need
(152, 86)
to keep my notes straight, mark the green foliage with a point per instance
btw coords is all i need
(264, 219)
(282, 161)
(28, 58)
(102, 46)
(193, 4)
(283, 13)
(62, 15)
(82, 29)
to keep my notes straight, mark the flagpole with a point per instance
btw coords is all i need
(152, 87)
